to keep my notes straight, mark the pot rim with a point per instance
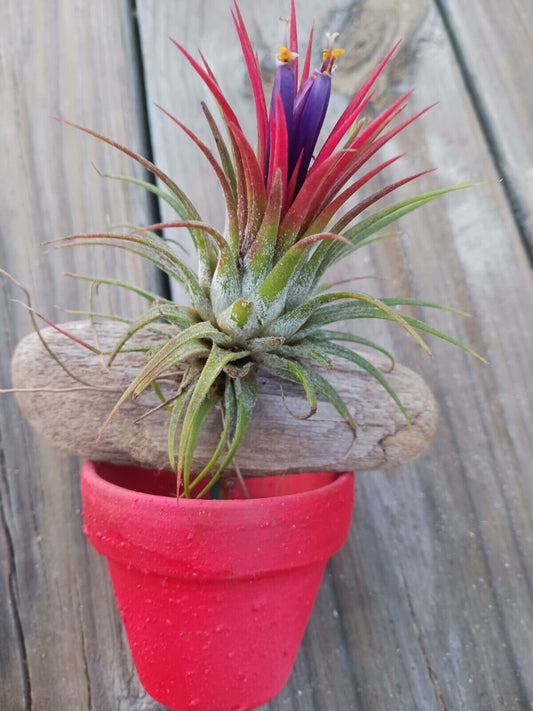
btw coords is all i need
(91, 470)
(213, 538)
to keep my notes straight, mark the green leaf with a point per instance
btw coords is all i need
(190, 210)
(180, 316)
(331, 313)
(394, 301)
(270, 297)
(381, 306)
(364, 364)
(434, 332)
(174, 352)
(181, 347)
(196, 422)
(175, 417)
(148, 295)
(159, 393)
(288, 324)
(328, 254)
(299, 315)
(214, 364)
(304, 349)
(279, 366)
(223, 151)
(179, 208)
(239, 320)
(384, 217)
(226, 283)
(310, 391)
(346, 311)
(156, 252)
(259, 255)
(325, 335)
(246, 397)
(96, 315)
(230, 409)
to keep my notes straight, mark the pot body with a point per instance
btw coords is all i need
(214, 595)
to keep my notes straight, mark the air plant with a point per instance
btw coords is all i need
(256, 301)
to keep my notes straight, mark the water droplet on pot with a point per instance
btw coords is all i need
(259, 603)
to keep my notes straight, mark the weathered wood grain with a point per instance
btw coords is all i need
(429, 605)
(494, 42)
(71, 417)
(57, 615)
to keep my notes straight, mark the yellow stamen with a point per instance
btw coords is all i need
(285, 54)
(330, 53)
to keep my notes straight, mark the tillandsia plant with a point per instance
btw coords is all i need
(291, 213)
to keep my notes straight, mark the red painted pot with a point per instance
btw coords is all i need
(214, 595)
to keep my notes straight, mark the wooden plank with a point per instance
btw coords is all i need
(429, 604)
(494, 41)
(61, 646)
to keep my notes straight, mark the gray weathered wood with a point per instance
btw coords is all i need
(429, 606)
(57, 615)
(495, 42)
(71, 417)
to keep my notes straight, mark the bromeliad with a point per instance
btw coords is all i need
(291, 213)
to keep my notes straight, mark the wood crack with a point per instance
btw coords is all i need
(13, 591)
(516, 207)
(153, 207)
(433, 678)
(356, 701)
(84, 654)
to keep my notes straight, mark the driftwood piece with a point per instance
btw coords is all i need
(71, 415)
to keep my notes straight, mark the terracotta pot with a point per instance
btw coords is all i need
(214, 595)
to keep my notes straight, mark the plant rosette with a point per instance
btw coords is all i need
(215, 594)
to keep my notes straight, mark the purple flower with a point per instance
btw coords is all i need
(288, 179)
(304, 110)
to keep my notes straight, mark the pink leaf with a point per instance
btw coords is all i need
(307, 62)
(257, 85)
(351, 112)
(364, 204)
(228, 194)
(293, 37)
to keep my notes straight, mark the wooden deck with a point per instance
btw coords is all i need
(429, 607)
